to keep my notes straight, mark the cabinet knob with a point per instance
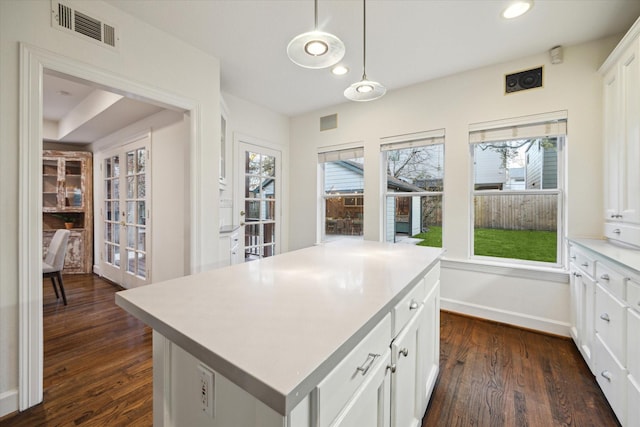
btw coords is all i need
(616, 231)
(605, 317)
(605, 277)
(577, 274)
(404, 352)
(392, 368)
(573, 257)
(413, 305)
(606, 375)
(585, 264)
(364, 368)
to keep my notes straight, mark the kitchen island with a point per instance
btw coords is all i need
(313, 337)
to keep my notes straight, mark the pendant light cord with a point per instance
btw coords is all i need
(364, 39)
(316, 14)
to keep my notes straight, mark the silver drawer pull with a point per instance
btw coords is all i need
(617, 231)
(605, 277)
(413, 305)
(606, 375)
(392, 368)
(577, 274)
(605, 317)
(573, 257)
(404, 352)
(585, 264)
(367, 363)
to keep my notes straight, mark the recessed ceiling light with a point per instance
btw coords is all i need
(517, 8)
(340, 70)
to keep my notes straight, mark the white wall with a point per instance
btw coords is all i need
(146, 58)
(453, 103)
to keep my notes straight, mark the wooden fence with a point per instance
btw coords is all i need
(503, 211)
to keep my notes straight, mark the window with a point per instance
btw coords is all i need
(518, 190)
(342, 193)
(414, 170)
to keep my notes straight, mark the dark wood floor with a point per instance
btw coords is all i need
(98, 371)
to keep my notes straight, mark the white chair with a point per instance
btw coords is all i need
(54, 261)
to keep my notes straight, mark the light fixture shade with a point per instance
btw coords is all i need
(365, 90)
(299, 52)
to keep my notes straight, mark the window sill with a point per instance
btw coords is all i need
(547, 274)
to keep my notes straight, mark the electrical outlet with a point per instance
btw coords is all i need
(206, 388)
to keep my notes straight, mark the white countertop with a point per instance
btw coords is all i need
(625, 256)
(277, 326)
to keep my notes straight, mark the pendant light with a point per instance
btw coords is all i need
(315, 49)
(364, 90)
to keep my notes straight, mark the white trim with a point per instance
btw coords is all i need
(519, 121)
(417, 137)
(33, 61)
(340, 147)
(505, 316)
(8, 402)
(522, 271)
(628, 38)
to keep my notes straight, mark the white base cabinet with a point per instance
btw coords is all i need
(605, 301)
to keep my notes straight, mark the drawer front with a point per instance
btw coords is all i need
(633, 295)
(633, 397)
(611, 322)
(633, 344)
(612, 379)
(611, 280)
(405, 309)
(343, 381)
(622, 232)
(582, 261)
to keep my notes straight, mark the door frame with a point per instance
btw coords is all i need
(33, 63)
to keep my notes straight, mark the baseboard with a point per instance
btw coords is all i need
(8, 402)
(509, 317)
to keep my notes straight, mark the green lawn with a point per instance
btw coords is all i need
(515, 244)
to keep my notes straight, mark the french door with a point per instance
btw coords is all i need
(125, 214)
(259, 200)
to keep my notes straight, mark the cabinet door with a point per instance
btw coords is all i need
(406, 390)
(584, 290)
(429, 347)
(630, 94)
(574, 299)
(612, 144)
(369, 406)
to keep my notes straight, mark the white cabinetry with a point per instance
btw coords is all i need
(582, 289)
(621, 73)
(614, 340)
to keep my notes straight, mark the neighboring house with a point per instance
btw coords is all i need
(515, 179)
(490, 174)
(541, 165)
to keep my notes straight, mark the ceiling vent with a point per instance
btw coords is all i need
(65, 18)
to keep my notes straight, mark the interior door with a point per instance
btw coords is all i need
(259, 200)
(125, 215)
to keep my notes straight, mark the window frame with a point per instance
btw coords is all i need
(420, 139)
(555, 125)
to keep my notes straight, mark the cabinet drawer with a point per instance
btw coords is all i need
(343, 381)
(405, 309)
(633, 397)
(612, 379)
(633, 344)
(622, 232)
(610, 279)
(633, 295)
(582, 261)
(611, 322)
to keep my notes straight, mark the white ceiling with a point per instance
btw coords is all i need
(408, 41)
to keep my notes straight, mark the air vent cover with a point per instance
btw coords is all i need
(328, 122)
(523, 80)
(65, 18)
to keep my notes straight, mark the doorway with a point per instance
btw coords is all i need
(34, 62)
(125, 222)
(260, 197)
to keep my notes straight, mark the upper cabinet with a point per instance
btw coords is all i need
(621, 72)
